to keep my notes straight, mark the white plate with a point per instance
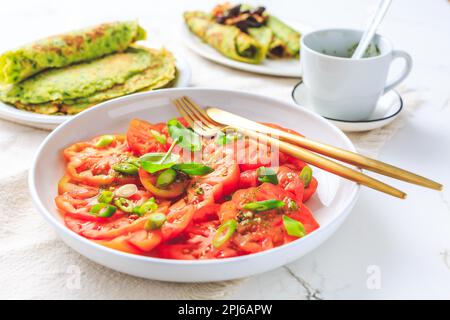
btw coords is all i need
(283, 67)
(338, 195)
(49, 122)
(387, 110)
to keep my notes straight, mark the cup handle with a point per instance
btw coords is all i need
(406, 70)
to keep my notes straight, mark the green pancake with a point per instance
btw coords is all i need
(63, 50)
(228, 40)
(160, 73)
(79, 80)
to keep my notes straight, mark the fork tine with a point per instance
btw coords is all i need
(201, 113)
(196, 124)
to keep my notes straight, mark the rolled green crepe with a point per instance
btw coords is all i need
(63, 50)
(284, 36)
(228, 40)
(264, 36)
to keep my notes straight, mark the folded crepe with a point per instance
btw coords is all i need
(286, 40)
(146, 69)
(63, 50)
(228, 40)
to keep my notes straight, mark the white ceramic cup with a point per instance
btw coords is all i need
(339, 87)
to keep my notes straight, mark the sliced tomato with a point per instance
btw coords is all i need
(107, 229)
(178, 219)
(248, 179)
(92, 165)
(206, 212)
(226, 171)
(75, 207)
(141, 139)
(196, 243)
(145, 240)
(310, 190)
(305, 216)
(289, 180)
(174, 190)
(251, 154)
(65, 185)
(120, 243)
(259, 231)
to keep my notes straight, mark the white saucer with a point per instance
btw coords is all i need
(388, 108)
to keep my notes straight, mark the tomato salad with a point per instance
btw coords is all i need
(137, 193)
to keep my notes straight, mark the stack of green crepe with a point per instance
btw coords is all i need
(67, 73)
(273, 40)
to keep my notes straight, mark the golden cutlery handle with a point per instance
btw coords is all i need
(343, 155)
(326, 164)
(361, 161)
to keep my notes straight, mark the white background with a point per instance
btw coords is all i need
(408, 242)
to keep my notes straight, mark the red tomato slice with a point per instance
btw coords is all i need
(174, 190)
(226, 172)
(196, 243)
(305, 216)
(248, 179)
(141, 140)
(107, 229)
(290, 181)
(206, 212)
(76, 190)
(310, 190)
(92, 165)
(145, 240)
(120, 243)
(178, 218)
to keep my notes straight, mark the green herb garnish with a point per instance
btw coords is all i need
(265, 205)
(187, 139)
(293, 227)
(267, 175)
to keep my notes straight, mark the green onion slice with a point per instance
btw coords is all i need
(106, 197)
(155, 221)
(293, 227)
(306, 175)
(224, 233)
(265, 205)
(166, 177)
(102, 210)
(158, 136)
(124, 204)
(193, 168)
(126, 168)
(292, 205)
(267, 175)
(148, 206)
(104, 141)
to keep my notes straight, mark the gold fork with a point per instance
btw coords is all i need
(202, 124)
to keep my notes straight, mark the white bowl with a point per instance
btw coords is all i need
(113, 117)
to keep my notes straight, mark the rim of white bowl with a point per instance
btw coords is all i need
(162, 261)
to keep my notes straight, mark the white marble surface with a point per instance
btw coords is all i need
(404, 244)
